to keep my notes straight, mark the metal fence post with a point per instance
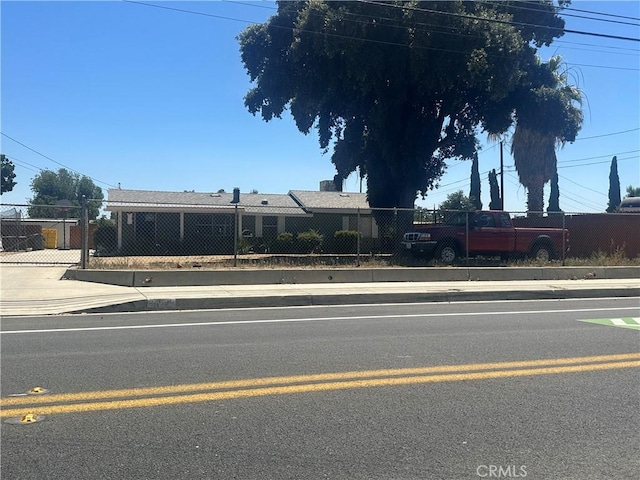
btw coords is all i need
(358, 241)
(235, 200)
(467, 239)
(84, 231)
(395, 227)
(564, 246)
(235, 236)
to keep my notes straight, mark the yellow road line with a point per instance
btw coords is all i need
(311, 387)
(321, 377)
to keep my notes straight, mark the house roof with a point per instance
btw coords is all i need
(295, 203)
(320, 201)
(119, 200)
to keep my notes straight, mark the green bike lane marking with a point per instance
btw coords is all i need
(626, 322)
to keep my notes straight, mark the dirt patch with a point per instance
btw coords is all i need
(252, 261)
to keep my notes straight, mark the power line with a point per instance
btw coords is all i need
(561, 10)
(35, 151)
(634, 54)
(636, 51)
(503, 22)
(598, 163)
(618, 22)
(610, 47)
(190, 11)
(332, 35)
(599, 156)
(604, 66)
(563, 193)
(580, 200)
(367, 40)
(581, 186)
(254, 4)
(608, 134)
(601, 13)
(22, 163)
(54, 161)
(511, 169)
(327, 34)
(459, 33)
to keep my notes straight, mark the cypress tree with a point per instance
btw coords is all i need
(474, 194)
(496, 202)
(614, 187)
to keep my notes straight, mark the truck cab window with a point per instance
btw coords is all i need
(505, 220)
(484, 220)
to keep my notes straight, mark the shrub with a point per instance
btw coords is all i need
(345, 241)
(244, 246)
(105, 238)
(309, 241)
(283, 243)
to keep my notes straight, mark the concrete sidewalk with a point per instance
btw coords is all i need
(38, 290)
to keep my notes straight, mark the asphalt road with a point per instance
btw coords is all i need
(457, 391)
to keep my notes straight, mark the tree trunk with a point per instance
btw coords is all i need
(535, 198)
(394, 222)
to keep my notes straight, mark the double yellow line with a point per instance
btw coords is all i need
(259, 387)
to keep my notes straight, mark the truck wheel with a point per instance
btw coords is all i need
(446, 254)
(541, 252)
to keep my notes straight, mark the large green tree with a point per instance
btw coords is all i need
(56, 188)
(456, 202)
(397, 88)
(547, 117)
(633, 191)
(7, 183)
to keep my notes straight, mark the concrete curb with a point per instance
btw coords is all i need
(169, 304)
(177, 278)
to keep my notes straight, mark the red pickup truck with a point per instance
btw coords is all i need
(488, 233)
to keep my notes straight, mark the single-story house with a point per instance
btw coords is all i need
(204, 222)
(334, 211)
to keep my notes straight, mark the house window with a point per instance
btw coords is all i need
(145, 226)
(270, 227)
(212, 225)
(365, 228)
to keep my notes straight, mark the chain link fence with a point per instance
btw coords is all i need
(161, 235)
(250, 234)
(42, 234)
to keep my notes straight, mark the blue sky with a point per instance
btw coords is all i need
(152, 99)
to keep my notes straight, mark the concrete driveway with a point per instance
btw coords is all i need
(47, 257)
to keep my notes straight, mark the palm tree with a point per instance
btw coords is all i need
(534, 155)
(548, 117)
